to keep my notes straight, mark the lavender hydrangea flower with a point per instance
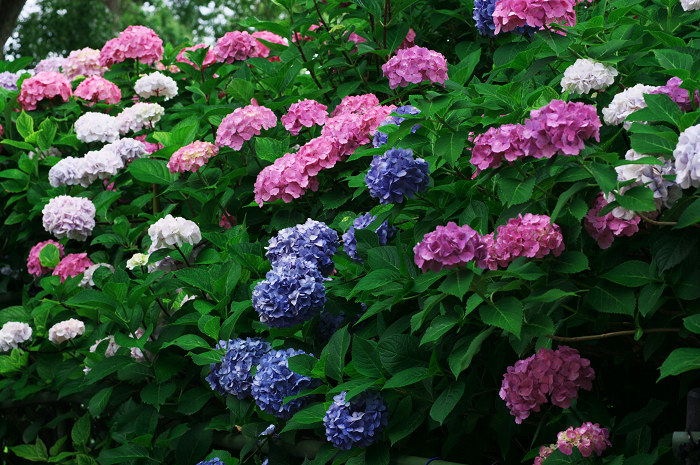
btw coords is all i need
(232, 375)
(687, 158)
(127, 148)
(8, 80)
(396, 175)
(361, 222)
(67, 172)
(380, 138)
(312, 241)
(356, 423)
(483, 15)
(291, 293)
(273, 381)
(71, 217)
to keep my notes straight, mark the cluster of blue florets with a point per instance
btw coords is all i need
(357, 423)
(483, 15)
(395, 175)
(381, 138)
(312, 241)
(384, 232)
(214, 461)
(233, 374)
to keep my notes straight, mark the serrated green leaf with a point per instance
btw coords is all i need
(679, 361)
(506, 313)
(447, 401)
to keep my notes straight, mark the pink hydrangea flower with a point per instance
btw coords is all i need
(318, 154)
(43, 86)
(264, 50)
(677, 94)
(83, 62)
(192, 157)
(297, 37)
(558, 374)
(415, 65)
(506, 141)
(357, 39)
(72, 265)
(97, 89)
(236, 46)
(356, 104)
(150, 146)
(224, 221)
(374, 116)
(135, 42)
(285, 179)
(209, 59)
(511, 14)
(409, 41)
(588, 438)
(604, 229)
(447, 247)
(348, 130)
(34, 263)
(304, 113)
(243, 124)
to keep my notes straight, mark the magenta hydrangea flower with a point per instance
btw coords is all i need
(447, 247)
(97, 89)
(677, 94)
(192, 156)
(43, 86)
(498, 143)
(511, 14)
(348, 130)
(409, 41)
(356, 104)
(286, 179)
(83, 62)
(209, 59)
(135, 42)
(72, 265)
(304, 113)
(264, 50)
(415, 65)
(558, 374)
(604, 229)
(243, 124)
(34, 266)
(236, 46)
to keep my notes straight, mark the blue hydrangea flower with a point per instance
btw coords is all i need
(274, 381)
(357, 423)
(291, 293)
(328, 324)
(233, 376)
(214, 461)
(312, 241)
(384, 232)
(483, 15)
(396, 175)
(381, 138)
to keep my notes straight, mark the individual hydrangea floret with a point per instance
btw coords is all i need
(355, 423)
(604, 229)
(127, 149)
(587, 75)
(96, 127)
(447, 247)
(170, 231)
(395, 175)
(273, 381)
(499, 143)
(243, 124)
(138, 259)
(587, 438)
(264, 50)
(139, 116)
(8, 80)
(304, 113)
(192, 157)
(236, 46)
(71, 217)
(384, 232)
(44, 86)
(355, 104)
(97, 89)
(90, 271)
(312, 241)
(66, 330)
(687, 158)
(156, 85)
(14, 333)
(233, 375)
(415, 65)
(292, 292)
(34, 266)
(51, 65)
(135, 42)
(512, 14)
(209, 59)
(625, 103)
(287, 179)
(483, 16)
(381, 138)
(72, 265)
(99, 164)
(83, 62)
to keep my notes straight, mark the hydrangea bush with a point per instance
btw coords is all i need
(344, 238)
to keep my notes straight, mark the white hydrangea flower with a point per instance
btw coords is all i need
(67, 172)
(12, 334)
(71, 217)
(127, 148)
(625, 103)
(156, 85)
(112, 347)
(137, 353)
(50, 152)
(687, 158)
(586, 75)
(138, 259)
(170, 231)
(66, 330)
(690, 5)
(90, 271)
(138, 116)
(665, 192)
(96, 127)
(100, 164)
(619, 212)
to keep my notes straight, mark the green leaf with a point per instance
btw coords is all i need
(638, 199)
(152, 171)
(49, 256)
(438, 327)
(365, 357)
(81, 431)
(690, 215)
(269, 149)
(605, 176)
(464, 351)
(375, 279)
(400, 351)
(457, 283)
(506, 313)
(610, 298)
(648, 143)
(450, 146)
(122, 454)
(564, 198)
(692, 323)
(571, 262)
(335, 350)
(307, 418)
(680, 361)
(407, 377)
(99, 401)
(25, 125)
(632, 273)
(649, 297)
(156, 394)
(188, 342)
(671, 59)
(35, 453)
(193, 400)
(660, 107)
(447, 401)
(514, 191)
(551, 295)
(405, 420)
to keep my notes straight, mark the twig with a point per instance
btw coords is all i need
(593, 337)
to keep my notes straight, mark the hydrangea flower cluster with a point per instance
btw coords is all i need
(83, 62)
(381, 138)
(680, 96)
(135, 42)
(273, 381)
(66, 330)
(511, 14)
(384, 232)
(34, 266)
(304, 113)
(170, 231)
(395, 175)
(625, 103)
(558, 374)
(233, 376)
(214, 461)
(604, 229)
(687, 158)
(312, 241)
(285, 179)
(150, 146)
(236, 46)
(51, 65)
(355, 423)
(8, 80)
(587, 438)
(96, 127)
(127, 149)
(355, 104)
(318, 154)
(483, 16)
(243, 124)
(97, 89)
(14, 333)
(71, 217)
(138, 259)
(90, 272)
(156, 85)
(96, 164)
(72, 265)
(587, 75)
(348, 132)
(111, 349)
(415, 65)
(264, 50)
(43, 86)
(192, 157)
(139, 116)
(447, 247)
(690, 5)
(209, 59)
(496, 144)
(665, 192)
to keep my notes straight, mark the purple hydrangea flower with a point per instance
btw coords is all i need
(361, 222)
(291, 293)
(214, 461)
(312, 241)
(232, 375)
(356, 423)
(396, 175)
(381, 138)
(680, 96)
(274, 381)
(8, 80)
(483, 15)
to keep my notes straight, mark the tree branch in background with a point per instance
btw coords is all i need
(8, 20)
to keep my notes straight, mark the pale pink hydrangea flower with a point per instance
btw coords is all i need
(46, 85)
(447, 247)
(52, 64)
(304, 113)
(66, 330)
(409, 41)
(156, 85)
(97, 89)
(498, 143)
(150, 146)
(374, 117)
(236, 46)
(243, 124)
(209, 59)
(356, 104)
(71, 217)
(511, 14)
(83, 62)
(587, 438)
(415, 65)
(297, 37)
(318, 154)
(264, 50)
(111, 349)
(285, 179)
(139, 116)
(604, 229)
(14, 333)
(72, 265)
(135, 42)
(34, 266)
(192, 157)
